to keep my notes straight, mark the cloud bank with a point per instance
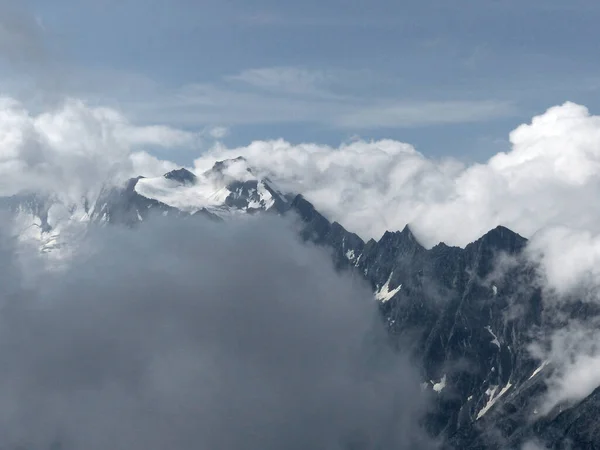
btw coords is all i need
(74, 149)
(543, 187)
(549, 177)
(223, 336)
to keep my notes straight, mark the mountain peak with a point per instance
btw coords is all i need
(236, 164)
(182, 175)
(132, 182)
(406, 236)
(407, 232)
(503, 238)
(230, 186)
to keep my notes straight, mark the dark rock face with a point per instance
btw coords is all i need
(345, 246)
(247, 196)
(469, 315)
(182, 175)
(124, 206)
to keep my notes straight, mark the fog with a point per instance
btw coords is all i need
(184, 334)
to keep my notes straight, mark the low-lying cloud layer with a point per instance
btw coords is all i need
(545, 188)
(185, 334)
(549, 177)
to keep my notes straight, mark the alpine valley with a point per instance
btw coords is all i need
(468, 315)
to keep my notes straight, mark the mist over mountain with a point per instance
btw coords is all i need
(276, 295)
(339, 225)
(185, 334)
(442, 347)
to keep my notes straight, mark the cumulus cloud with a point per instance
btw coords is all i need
(549, 177)
(147, 165)
(569, 261)
(74, 149)
(223, 336)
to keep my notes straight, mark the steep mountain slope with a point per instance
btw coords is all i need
(469, 315)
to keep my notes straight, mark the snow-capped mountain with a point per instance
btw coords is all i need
(229, 188)
(449, 302)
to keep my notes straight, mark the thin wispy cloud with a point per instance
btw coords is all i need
(287, 80)
(300, 95)
(422, 113)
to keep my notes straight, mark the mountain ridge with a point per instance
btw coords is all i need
(452, 303)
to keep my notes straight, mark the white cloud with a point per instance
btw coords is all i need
(575, 355)
(148, 165)
(569, 259)
(356, 184)
(218, 132)
(73, 150)
(550, 177)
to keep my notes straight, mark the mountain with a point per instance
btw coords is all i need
(229, 188)
(467, 315)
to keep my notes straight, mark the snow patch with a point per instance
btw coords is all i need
(538, 370)
(384, 294)
(266, 199)
(493, 398)
(494, 290)
(440, 385)
(210, 190)
(185, 197)
(495, 341)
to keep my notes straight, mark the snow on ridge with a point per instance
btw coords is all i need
(55, 237)
(185, 197)
(538, 370)
(384, 294)
(210, 190)
(493, 398)
(495, 341)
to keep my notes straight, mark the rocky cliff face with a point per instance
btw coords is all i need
(469, 316)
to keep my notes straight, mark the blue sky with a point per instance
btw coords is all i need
(450, 77)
